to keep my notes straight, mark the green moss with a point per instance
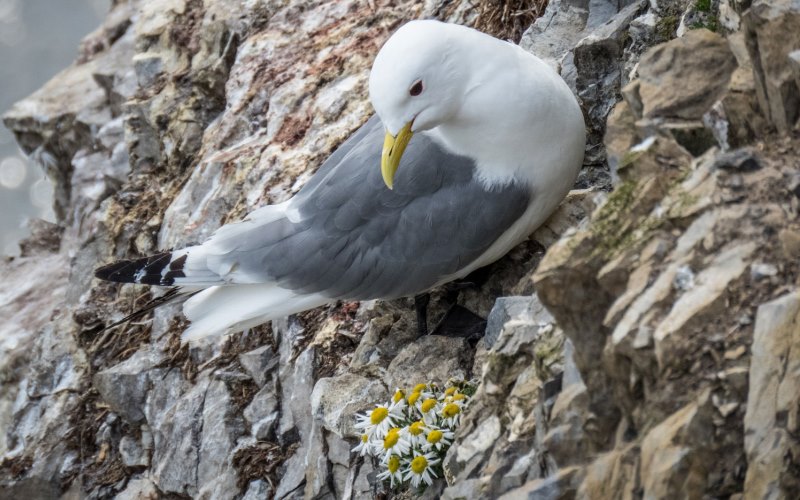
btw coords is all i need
(666, 28)
(702, 5)
(610, 218)
(711, 23)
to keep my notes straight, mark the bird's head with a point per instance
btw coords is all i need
(416, 84)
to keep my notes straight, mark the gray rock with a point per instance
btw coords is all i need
(124, 386)
(526, 309)
(221, 428)
(177, 439)
(259, 363)
(561, 486)
(600, 75)
(772, 412)
(462, 490)
(257, 490)
(138, 489)
(385, 336)
(149, 67)
(133, 452)
(317, 467)
(572, 375)
(262, 412)
(432, 358)
(336, 401)
(297, 383)
(761, 270)
(293, 477)
(557, 31)
(342, 471)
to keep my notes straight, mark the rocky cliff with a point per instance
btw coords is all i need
(645, 342)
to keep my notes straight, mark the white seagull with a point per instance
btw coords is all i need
(474, 144)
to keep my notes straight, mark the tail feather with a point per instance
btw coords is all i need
(164, 269)
(219, 310)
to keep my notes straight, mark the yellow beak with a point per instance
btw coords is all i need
(393, 147)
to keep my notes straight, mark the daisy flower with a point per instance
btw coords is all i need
(393, 444)
(392, 472)
(415, 433)
(426, 390)
(364, 446)
(420, 469)
(428, 408)
(413, 398)
(451, 413)
(437, 439)
(380, 420)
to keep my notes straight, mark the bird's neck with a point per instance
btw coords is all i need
(519, 125)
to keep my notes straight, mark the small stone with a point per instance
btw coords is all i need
(736, 377)
(133, 453)
(735, 354)
(684, 278)
(760, 270)
(727, 409)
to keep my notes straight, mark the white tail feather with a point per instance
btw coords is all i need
(228, 309)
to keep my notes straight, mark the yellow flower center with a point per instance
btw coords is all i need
(416, 428)
(378, 414)
(459, 397)
(450, 391)
(428, 405)
(394, 464)
(435, 436)
(364, 438)
(420, 387)
(419, 464)
(391, 439)
(412, 399)
(450, 410)
(398, 396)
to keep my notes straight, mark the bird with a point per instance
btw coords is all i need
(473, 144)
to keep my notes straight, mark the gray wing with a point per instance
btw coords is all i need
(357, 239)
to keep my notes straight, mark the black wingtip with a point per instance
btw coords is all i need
(146, 270)
(117, 271)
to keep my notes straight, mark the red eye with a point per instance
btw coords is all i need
(416, 89)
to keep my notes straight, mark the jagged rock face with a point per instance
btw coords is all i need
(652, 354)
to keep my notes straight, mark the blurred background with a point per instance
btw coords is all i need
(38, 38)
